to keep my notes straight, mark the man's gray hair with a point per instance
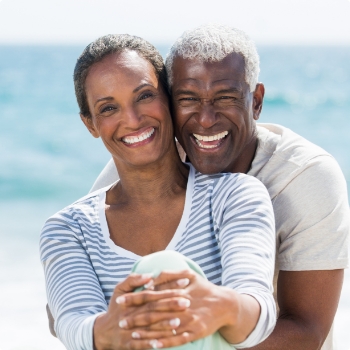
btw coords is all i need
(212, 43)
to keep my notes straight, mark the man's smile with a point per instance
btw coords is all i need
(210, 141)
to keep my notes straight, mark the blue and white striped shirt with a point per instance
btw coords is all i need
(227, 228)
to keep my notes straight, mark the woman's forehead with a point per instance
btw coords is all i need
(127, 66)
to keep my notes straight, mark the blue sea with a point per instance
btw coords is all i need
(48, 159)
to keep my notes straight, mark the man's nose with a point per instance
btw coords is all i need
(206, 115)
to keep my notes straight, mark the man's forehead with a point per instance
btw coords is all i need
(232, 67)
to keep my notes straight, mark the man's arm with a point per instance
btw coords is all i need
(303, 297)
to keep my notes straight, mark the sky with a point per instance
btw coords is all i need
(282, 22)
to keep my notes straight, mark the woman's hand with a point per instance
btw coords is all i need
(209, 308)
(112, 330)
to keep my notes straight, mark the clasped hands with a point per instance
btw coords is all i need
(174, 309)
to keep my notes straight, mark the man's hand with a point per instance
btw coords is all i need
(308, 301)
(51, 321)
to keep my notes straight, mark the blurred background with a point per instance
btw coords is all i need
(48, 159)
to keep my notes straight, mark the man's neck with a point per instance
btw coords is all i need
(245, 160)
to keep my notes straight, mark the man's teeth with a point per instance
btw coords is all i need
(212, 137)
(216, 137)
(133, 139)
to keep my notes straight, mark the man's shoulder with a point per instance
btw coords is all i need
(283, 155)
(285, 145)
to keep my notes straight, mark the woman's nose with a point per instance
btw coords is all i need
(131, 117)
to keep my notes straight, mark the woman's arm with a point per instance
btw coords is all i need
(247, 242)
(74, 294)
(82, 319)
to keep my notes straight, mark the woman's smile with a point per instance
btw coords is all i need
(139, 138)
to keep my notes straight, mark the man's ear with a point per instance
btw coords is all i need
(258, 99)
(90, 125)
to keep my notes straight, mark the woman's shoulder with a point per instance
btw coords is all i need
(85, 208)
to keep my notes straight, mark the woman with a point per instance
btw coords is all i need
(223, 222)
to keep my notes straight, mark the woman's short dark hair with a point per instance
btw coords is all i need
(110, 44)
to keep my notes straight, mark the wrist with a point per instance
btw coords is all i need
(99, 333)
(230, 307)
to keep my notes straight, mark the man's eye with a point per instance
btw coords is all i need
(188, 101)
(225, 100)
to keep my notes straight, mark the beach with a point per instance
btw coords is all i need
(48, 159)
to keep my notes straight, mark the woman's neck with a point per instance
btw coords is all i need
(150, 184)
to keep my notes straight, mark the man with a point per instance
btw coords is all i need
(213, 75)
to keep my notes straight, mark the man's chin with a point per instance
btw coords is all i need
(208, 166)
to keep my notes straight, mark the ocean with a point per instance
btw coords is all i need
(48, 159)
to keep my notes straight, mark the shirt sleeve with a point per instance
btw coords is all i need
(108, 175)
(247, 241)
(74, 294)
(312, 219)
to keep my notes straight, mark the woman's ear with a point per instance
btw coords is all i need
(90, 125)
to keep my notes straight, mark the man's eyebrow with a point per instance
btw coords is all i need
(108, 98)
(228, 91)
(184, 92)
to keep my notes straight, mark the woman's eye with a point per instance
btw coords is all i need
(107, 109)
(146, 95)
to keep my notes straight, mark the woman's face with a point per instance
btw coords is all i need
(129, 109)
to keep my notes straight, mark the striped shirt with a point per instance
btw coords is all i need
(227, 228)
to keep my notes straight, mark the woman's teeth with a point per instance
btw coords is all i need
(134, 139)
(211, 138)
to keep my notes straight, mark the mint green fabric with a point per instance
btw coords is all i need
(170, 260)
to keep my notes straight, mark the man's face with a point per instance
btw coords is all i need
(215, 113)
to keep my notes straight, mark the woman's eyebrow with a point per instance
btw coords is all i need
(142, 86)
(108, 98)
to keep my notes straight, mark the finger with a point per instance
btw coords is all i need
(177, 340)
(154, 313)
(137, 344)
(144, 297)
(159, 343)
(147, 319)
(157, 334)
(132, 282)
(173, 276)
(176, 284)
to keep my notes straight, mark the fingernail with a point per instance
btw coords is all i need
(120, 300)
(175, 322)
(183, 282)
(135, 335)
(156, 344)
(145, 276)
(149, 284)
(184, 302)
(123, 323)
